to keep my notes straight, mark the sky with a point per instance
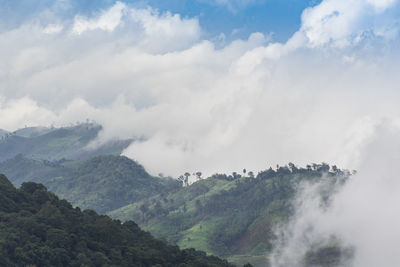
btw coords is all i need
(207, 85)
(235, 19)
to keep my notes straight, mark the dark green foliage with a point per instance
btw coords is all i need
(102, 183)
(38, 229)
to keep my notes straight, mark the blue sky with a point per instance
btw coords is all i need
(280, 17)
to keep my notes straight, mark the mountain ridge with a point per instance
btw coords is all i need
(57, 143)
(39, 229)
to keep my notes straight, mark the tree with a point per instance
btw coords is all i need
(323, 167)
(181, 179)
(187, 175)
(292, 167)
(335, 168)
(198, 175)
(236, 175)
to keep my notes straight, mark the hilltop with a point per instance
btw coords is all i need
(57, 143)
(38, 229)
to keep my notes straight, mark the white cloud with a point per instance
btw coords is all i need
(381, 4)
(166, 31)
(107, 21)
(248, 104)
(15, 113)
(362, 215)
(326, 94)
(53, 29)
(341, 23)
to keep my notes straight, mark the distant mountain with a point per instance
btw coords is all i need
(228, 215)
(102, 183)
(57, 143)
(38, 229)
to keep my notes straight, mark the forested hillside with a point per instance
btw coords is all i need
(57, 143)
(38, 229)
(232, 216)
(102, 183)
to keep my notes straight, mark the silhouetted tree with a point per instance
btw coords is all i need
(187, 175)
(292, 167)
(181, 179)
(198, 175)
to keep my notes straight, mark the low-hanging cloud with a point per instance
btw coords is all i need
(362, 215)
(196, 106)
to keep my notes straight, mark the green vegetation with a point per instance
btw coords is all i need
(231, 216)
(102, 183)
(57, 143)
(228, 215)
(38, 229)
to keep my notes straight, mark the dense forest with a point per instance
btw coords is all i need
(38, 229)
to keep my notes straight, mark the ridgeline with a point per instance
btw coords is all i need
(38, 229)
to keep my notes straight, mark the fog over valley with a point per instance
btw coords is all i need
(122, 94)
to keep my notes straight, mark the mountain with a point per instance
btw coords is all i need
(229, 215)
(38, 229)
(57, 143)
(102, 183)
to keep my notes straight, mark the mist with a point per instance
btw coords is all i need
(204, 105)
(362, 214)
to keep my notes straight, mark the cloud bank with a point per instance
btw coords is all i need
(197, 104)
(362, 215)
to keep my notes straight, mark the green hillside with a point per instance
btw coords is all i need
(57, 143)
(102, 183)
(228, 215)
(38, 229)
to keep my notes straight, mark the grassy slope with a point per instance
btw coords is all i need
(102, 183)
(224, 217)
